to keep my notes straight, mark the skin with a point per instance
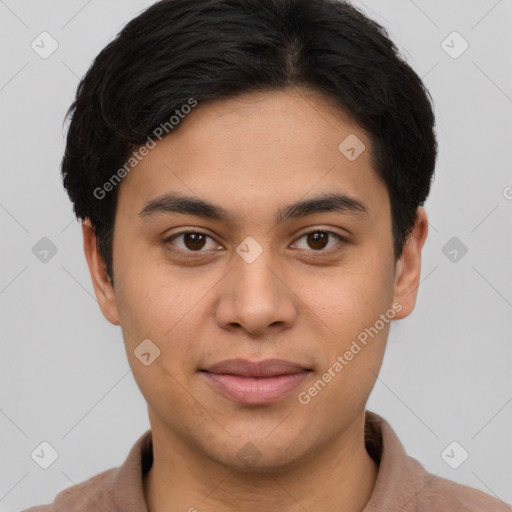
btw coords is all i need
(252, 155)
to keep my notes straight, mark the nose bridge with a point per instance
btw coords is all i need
(254, 273)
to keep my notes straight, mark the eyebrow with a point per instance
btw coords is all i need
(188, 205)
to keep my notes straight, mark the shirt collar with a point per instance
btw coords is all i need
(400, 478)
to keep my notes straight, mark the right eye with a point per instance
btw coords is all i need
(192, 241)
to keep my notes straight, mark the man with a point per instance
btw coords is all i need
(250, 175)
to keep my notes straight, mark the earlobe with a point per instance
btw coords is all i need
(408, 267)
(103, 288)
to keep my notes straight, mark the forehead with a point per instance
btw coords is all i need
(258, 150)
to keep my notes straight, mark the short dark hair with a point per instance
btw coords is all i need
(215, 49)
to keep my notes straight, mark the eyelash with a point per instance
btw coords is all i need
(167, 241)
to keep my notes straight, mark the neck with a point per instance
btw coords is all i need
(338, 475)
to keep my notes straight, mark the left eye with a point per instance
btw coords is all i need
(319, 240)
(194, 241)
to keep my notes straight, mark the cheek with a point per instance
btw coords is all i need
(351, 297)
(155, 300)
(155, 303)
(350, 344)
(349, 325)
(149, 311)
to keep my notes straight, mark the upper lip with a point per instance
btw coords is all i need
(265, 368)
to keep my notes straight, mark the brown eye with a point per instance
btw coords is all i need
(194, 241)
(190, 241)
(319, 240)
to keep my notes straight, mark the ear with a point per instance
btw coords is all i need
(102, 286)
(408, 267)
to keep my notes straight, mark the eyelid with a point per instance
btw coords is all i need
(341, 240)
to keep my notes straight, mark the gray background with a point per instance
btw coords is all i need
(64, 377)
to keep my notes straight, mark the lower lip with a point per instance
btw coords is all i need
(255, 390)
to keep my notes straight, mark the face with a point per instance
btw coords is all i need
(249, 276)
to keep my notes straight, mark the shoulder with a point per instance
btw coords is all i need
(88, 496)
(439, 492)
(404, 484)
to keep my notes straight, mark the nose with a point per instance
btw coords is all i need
(256, 295)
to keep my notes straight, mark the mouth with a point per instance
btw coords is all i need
(247, 382)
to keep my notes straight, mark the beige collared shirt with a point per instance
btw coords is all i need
(402, 485)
